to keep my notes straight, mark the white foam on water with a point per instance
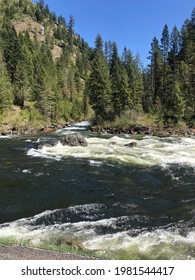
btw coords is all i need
(167, 243)
(5, 136)
(154, 245)
(38, 174)
(50, 226)
(44, 153)
(28, 171)
(86, 208)
(150, 151)
(28, 229)
(80, 126)
(95, 163)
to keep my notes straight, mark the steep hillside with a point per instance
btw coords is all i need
(44, 61)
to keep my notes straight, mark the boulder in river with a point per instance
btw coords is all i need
(74, 140)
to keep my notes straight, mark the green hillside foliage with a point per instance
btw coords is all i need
(48, 68)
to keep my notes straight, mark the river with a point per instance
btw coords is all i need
(121, 202)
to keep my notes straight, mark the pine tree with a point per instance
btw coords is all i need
(19, 85)
(174, 51)
(119, 83)
(23, 76)
(165, 44)
(165, 47)
(138, 84)
(11, 49)
(108, 46)
(98, 44)
(70, 31)
(135, 79)
(98, 85)
(148, 97)
(47, 94)
(192, 63)
(6, 93)
(156, 73)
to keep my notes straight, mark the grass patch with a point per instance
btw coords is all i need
(10, 241)
(130, 118)
(72, 249)
(26, 118)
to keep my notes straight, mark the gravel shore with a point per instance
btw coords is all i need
(26, 253)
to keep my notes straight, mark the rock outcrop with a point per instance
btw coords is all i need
(74, 140)
(71, 140)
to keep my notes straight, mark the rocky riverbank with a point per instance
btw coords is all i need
(143, 130)
(136, 129)
(26, 129)
(19, 121)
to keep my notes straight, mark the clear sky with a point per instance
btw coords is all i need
(131, 23)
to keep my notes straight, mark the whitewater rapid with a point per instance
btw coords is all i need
(117, 201)
(149, 151)
(168, 242)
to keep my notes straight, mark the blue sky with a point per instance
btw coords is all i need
(131, 23)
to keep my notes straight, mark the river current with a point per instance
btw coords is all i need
(121, 202)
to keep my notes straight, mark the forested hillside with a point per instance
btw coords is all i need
(44, 64)
(52, 75)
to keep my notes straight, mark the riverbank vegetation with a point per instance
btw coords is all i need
(70, 248)
(52, 75)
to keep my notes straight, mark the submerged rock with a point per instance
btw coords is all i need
(131, 145)
(112, 143)
(74, 140)
(48, 144)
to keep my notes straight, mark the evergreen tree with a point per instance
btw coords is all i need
(6, 93)
(61, 21)
(192, 63)
(30, 75)
(156, 74)
(99, 44)
(119, 83)
(148, 97)
(135, 79)
(138, 85)
(108, 46)
(11, 49)
(165, 44)
(70, 31)
(98, 86)
(48, 99)
(23, 76)
(174, 51)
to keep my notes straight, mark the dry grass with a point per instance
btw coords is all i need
(33, 27)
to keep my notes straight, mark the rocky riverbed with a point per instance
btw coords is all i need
(133, 130)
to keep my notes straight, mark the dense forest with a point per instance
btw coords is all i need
(53, 75)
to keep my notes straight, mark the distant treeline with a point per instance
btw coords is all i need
(82, 82)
